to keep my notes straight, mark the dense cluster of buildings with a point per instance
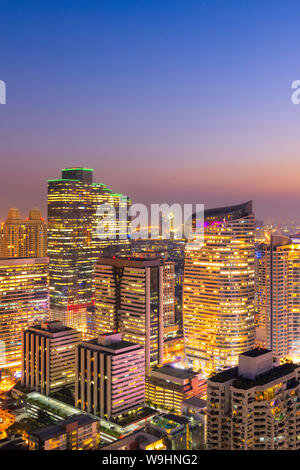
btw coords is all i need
(150, 345)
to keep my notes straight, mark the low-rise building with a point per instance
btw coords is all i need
(79, 432)
(168, 386)
(174, 431)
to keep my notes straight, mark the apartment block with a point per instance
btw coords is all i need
(255, 406)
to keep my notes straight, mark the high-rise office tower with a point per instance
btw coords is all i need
(24, 300)
(278, 296)
(73, 244)
(129, 295)
(169, 293)
(24, 238)
(218, 295)
(110, 376)
(254, 406)
(48, 356)
(36, 234)
(14, 235)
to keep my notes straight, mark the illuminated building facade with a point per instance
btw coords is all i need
(36, 234)
(73, 244)
(129, 296)
(110, 376)
(254, 406)
(169, 293)
(79, 432)
(167, 387)
(218, 296)
(24, 300)
(48, 356)
(24, 238)
(13, 235)
(278, 296)
(174, 349)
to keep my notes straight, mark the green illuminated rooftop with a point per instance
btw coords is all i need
(77, 168)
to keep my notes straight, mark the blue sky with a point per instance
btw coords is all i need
(169, 101)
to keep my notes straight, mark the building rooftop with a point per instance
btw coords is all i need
(130, 261)
(195, 402)
(47, 432)
(112, 346)
(53, 430)
(176, 372)
(141, 438)
(256, 352)
(225, 375)
(51, 327)
(169, 422)
(275, 373)
(235, 212)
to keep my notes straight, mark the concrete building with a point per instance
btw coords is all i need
(48, 356)
(79, 432)
(129, 297)
(110, 376)
(255, 406)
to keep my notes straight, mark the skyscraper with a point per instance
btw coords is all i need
(278, 296)
(48, 356)
(129, 298)
(169, 293)
(73, 244)
(24, 238)
(110, 376)
(218, 295)
(24, 300)
(36, 234)
(13, 235)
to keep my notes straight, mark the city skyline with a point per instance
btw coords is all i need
(147, 93)
(149, 228)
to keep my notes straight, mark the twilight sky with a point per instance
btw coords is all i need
(168, 100)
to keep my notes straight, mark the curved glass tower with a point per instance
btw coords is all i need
(218, 292)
